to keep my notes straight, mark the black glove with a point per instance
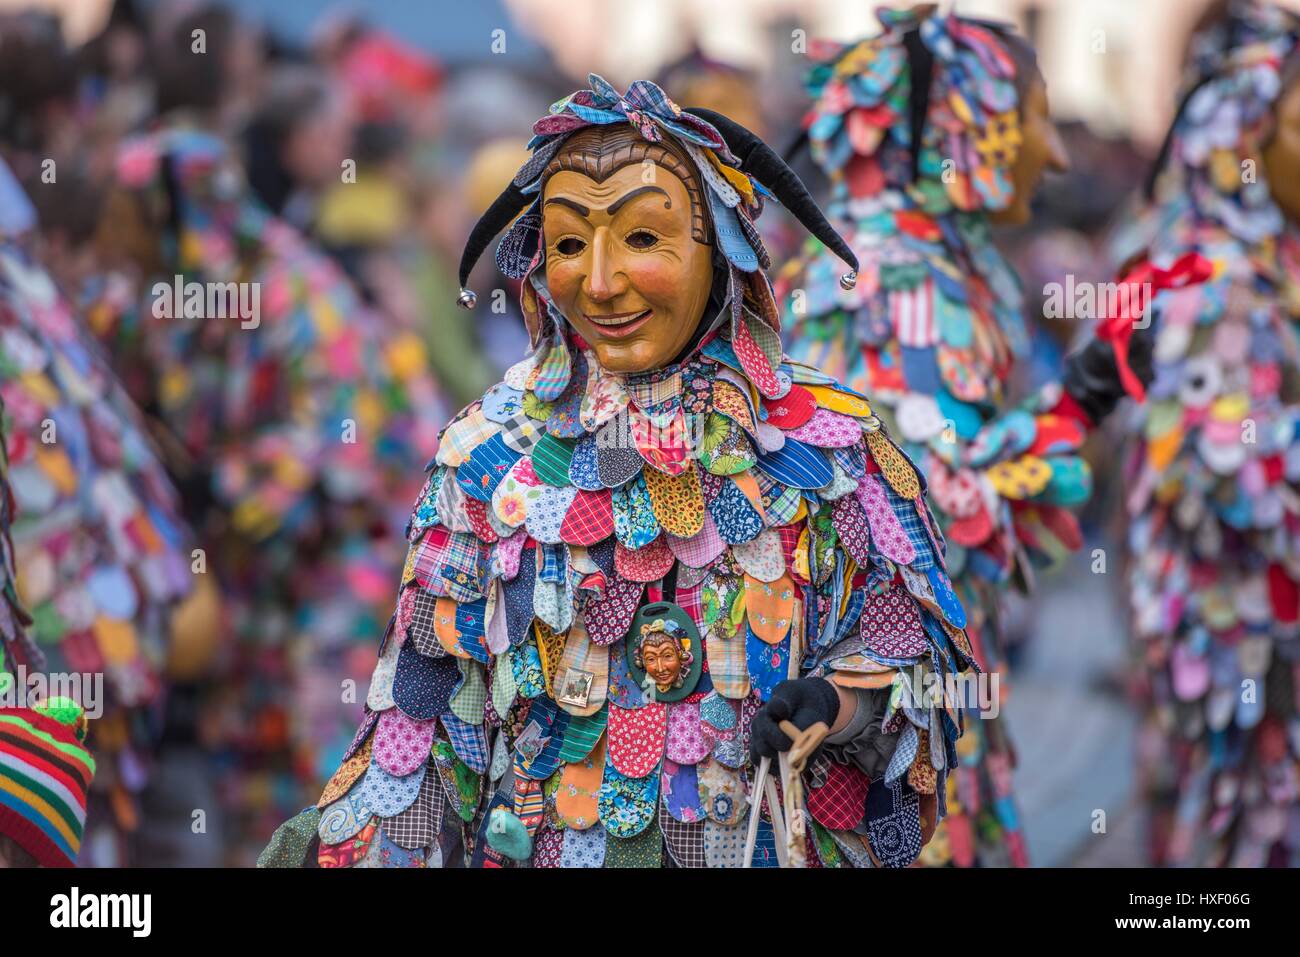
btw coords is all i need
(1092, 377)
(801, 701)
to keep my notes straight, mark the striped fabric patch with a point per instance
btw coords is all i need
(912, 311)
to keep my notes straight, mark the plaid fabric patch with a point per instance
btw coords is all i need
(419, 824)
(462, 437)
(464, 567)
(521, 432)
(551, 376)
(590, 519)
(469, 741)
(691, 601)
(907, 511)
(427, 558)
(554, 563)
(702, 548)
(657, 396)
(840, 802)
(469, 700)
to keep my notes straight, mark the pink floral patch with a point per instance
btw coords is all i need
(636, 738)
(402, 743)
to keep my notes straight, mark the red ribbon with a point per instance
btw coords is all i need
(1118, 329)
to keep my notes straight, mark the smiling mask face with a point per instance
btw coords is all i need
(626, 257)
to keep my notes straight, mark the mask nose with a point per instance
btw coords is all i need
(1058, 161)
(601, 284)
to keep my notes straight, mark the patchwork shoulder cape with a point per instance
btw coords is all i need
(102, 552)
(785, 535)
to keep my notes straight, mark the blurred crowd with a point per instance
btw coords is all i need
(351, 165)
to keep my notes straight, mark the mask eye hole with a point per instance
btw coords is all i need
(570, 246)
(642, 239)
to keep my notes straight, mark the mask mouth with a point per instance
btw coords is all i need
(619, 325)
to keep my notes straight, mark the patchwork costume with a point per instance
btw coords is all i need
(102, 554)
(293, 431)
(1214, 467)
(918, 129)
(608, 574)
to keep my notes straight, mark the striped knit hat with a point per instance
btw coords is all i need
(45, 774)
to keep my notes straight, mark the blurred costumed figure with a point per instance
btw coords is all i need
(654, 542)
(293, 416)
(934, 331)
(102, 554)
(1214, 464)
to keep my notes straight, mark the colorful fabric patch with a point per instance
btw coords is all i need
(485, 467)
(793, 410)
(702, 548)
(769, 664)
(584, 470)
(761, 558)
(609, 616)
(722, 792)
(683, 841)
(685, 742)
(626, 805)
(583, 848)
(635, 524)
(891, 625)
(770, 607)
(797, 465)
(422, 686)
(646, 564)
(388, 794)
(590, 518)
(546, 514)
(551, 458)
(898, 471)
(636, 738)
(401, 744)
(828, 430)
(580, 781)
(890, 537)
(644, 850)
(735, 516)
(677, 501)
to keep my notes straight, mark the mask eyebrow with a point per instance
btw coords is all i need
(572, 204)
(628, 197)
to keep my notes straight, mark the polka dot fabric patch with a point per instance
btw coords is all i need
(891, 625)
(891, 538)
(644, 564)
(636, 738)
(401, 743)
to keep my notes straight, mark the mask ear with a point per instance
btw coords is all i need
(532, 307)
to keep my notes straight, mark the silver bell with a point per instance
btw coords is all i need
(849, 280)
(466, 299)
